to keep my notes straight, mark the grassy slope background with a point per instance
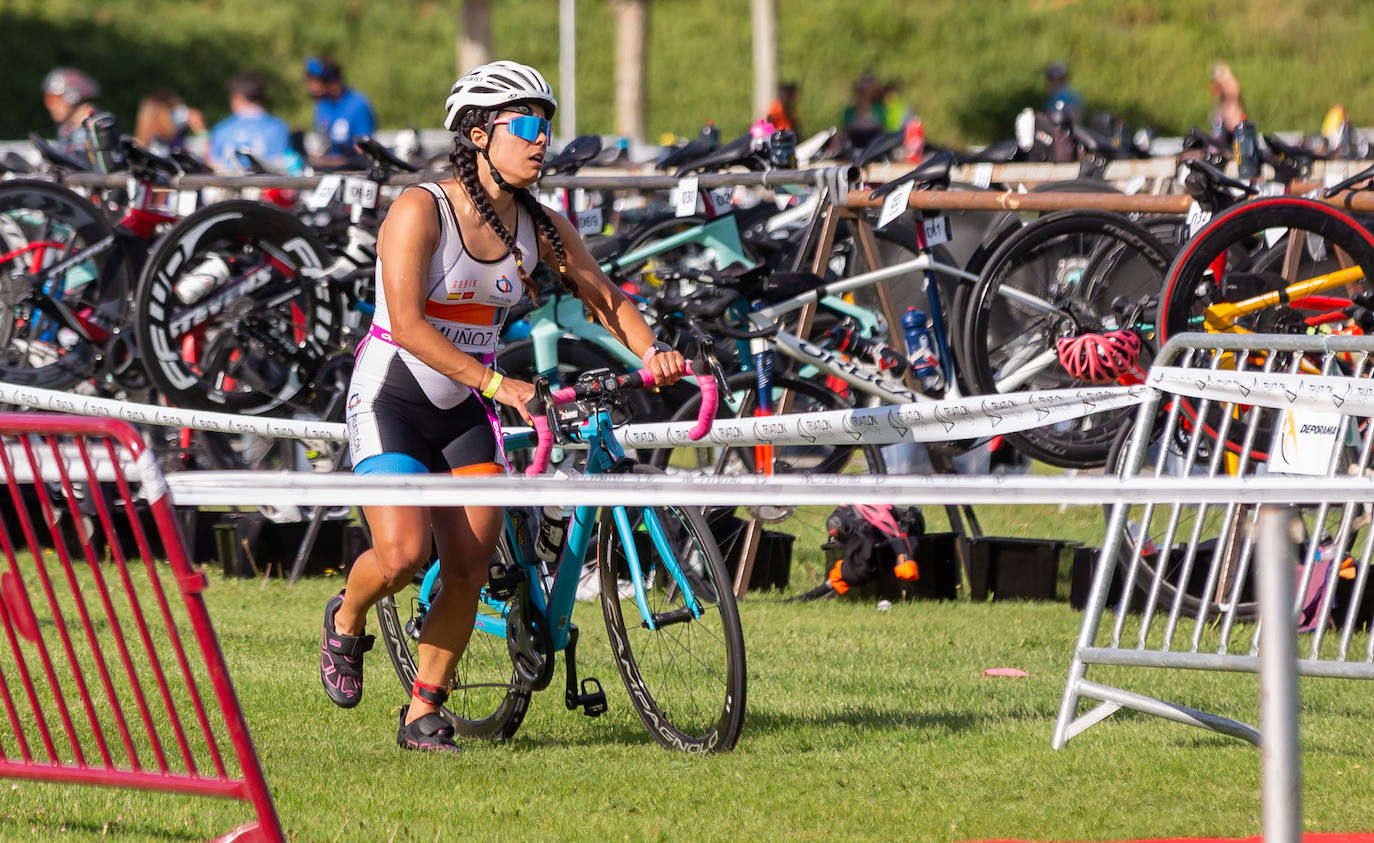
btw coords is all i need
(965, 65)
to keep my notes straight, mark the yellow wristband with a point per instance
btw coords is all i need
(493, 385)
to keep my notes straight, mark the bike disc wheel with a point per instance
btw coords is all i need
(686, 678)
(253, 340)
(486, 698)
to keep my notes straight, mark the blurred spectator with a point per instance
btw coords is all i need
(1060, 98)
(864, 117)
(342, 114)
(68, 95)
(896, 112)
(1229, 108)
(165, 124)
(249, 127)
(783, 111)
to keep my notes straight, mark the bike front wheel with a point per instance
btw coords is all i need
(486, 697)
(686, 676)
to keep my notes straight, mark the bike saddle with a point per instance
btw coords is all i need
(1097, 144)
(1289, 162)
(190, 164)
(381, 157)
(50, 154)
(15, 163)
(147, 165)
(737, 151)
(931, 173)
(255, 165)
(1362, 176)
(574, 156)
(879, 148)
(995, 153)
(780, 286)
(1210, 186)
(709, 304)
(692, 149)
(739, 275)
(1214, 149)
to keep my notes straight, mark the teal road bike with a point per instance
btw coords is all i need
(665, 594)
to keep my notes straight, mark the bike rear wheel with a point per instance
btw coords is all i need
(1259, 248)
(1077, 264)
(43, 224)
(486, 698)
(686, 677)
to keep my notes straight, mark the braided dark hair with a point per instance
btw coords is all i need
(464, 160)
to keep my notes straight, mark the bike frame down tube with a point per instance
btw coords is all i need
(603, 453)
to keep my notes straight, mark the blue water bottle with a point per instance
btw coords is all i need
(919, 349)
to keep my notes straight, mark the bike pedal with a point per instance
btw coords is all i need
(501, 584)
(593, 702)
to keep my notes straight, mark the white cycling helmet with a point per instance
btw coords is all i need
(494, 85)
(71, 85)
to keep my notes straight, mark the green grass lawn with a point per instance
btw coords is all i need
(861, 724)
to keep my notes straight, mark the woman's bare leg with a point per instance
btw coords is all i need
(466, 537)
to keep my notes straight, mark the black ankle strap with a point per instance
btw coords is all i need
(432, 694)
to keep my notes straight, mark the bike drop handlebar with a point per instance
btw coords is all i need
(541, 407)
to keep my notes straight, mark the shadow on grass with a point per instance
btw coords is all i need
(871, 718)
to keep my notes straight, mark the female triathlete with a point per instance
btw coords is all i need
(453, 256)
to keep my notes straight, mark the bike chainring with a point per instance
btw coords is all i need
(529, 642)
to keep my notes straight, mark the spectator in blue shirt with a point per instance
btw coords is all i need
(342, 114)
(1060, 96)
(250, 127)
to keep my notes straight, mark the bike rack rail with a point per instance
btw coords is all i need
(97, 595)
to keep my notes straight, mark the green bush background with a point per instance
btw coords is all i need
(965, 65)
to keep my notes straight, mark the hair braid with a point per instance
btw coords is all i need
(550, 232)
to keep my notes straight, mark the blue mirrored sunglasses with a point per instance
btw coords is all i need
(526, 127)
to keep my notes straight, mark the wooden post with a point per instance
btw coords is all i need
(631, 24)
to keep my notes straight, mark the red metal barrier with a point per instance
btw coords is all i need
(96, 684)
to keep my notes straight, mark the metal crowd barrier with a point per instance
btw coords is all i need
(97, 597)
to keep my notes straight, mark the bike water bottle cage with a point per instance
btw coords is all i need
(432, 694)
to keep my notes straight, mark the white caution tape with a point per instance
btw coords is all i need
(938, 421)
(85, 405)
(250, 488)
(1351, 396)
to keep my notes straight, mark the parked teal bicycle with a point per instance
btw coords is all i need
(666, 597)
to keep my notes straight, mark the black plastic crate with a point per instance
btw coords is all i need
(1014, 568)
(248, 542)
(772, 561)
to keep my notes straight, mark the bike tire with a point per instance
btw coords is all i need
(1171, 589)
(1233, 230)
(1253, 237)
(686, 679)
(1080, 261)
(36, 352)
(251, 344)
(487, 700)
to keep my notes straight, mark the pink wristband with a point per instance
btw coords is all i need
(650, 352)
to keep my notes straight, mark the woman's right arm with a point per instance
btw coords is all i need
(405, 245)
